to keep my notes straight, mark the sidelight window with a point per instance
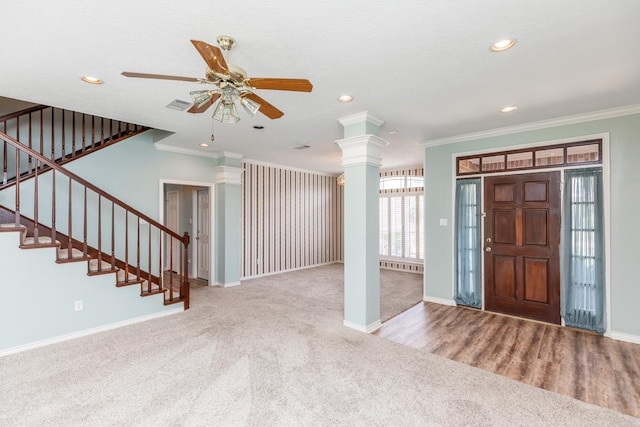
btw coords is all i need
(467, 243)
(583, 255)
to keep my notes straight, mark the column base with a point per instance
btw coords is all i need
(367, 329)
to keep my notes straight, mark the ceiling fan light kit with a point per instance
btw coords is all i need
(226, 112)
(232, 84)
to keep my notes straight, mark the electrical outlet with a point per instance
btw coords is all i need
(78, 306)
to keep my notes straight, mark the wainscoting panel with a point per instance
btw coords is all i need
(291, 219)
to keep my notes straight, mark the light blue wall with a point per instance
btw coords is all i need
(38, 297)
(228, 234)
(361, 245)
(130, 170)
(361, 128)
(625, 209)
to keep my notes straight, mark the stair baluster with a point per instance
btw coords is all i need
(114, 252)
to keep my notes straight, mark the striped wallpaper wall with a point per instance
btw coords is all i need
(291, 219)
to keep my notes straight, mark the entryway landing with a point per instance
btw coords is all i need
(576, 363)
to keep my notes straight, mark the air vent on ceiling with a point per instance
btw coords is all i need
(178, 104)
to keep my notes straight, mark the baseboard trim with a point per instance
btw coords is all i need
(230, 284)
(621, 336)
(289, 270)
(442, 301)
(85, 332)
(366, 329)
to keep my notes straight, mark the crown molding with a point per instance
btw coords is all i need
(365, 116)
(567, 120)
(194, 152)
(284, 167)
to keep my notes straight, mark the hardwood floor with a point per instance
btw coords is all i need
(576, 363)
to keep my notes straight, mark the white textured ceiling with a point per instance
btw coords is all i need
(423, 67)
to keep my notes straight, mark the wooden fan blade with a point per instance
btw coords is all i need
(212, 56)
(159, 76)
(265, 108)
(205, 106)
(299, 85)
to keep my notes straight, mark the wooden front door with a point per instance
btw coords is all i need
(522, 238)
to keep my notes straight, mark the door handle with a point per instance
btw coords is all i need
(487, 249)
(198, 238)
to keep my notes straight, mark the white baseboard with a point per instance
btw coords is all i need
(289, 270)
(230, 284)
(91, 331)
(621, 336)
(437, 300)
(366, 329)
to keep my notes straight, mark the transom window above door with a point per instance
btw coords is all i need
(560, 155)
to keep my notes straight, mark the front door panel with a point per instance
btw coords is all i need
(522, 238)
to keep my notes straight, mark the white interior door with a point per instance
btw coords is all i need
(173, 245)
(202, 238)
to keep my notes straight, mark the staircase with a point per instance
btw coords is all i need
(51, 207)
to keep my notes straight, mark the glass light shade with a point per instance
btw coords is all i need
(251, 107)
(226, 113)
(200, 97)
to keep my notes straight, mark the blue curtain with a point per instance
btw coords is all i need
(467, 243)
(582, 261)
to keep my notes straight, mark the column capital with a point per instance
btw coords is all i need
(364, 116)
(228, 175)
(360, 150)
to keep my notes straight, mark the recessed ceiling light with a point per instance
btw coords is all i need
(92, 80)
(508, 109)
(345, 98)
(503, 45)
(204, 144)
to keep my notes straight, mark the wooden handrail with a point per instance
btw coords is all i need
(23, 112)
(103, 256)
(58, 141)
(21, 147)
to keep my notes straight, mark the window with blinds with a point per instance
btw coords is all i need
(401, 226)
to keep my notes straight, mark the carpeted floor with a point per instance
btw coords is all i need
(271, 352)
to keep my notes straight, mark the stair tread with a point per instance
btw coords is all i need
(12, 226)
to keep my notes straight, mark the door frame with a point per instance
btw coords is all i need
(192, 251)
(178, 267)
(605, 137)
(194, 228)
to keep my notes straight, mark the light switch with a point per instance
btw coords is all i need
(443, 222)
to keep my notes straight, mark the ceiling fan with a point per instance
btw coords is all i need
(232, 84)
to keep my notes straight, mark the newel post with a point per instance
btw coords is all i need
(184, 286)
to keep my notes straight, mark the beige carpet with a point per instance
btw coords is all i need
(271, 352)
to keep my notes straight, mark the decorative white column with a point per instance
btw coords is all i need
(361, 160)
